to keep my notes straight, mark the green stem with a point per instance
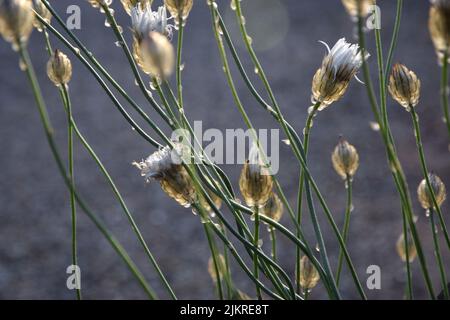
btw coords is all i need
(394, 40)
(273, 240)
(255, 256)
(444, 90)
(179, 52)
(72, 180)
(348, 211)
(409, 288)
(437, 253)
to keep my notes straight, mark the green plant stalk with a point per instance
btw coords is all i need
(273, 240)
(396, 168)
(73, 209)
(444, 91)
(255, 256)
(49, 132)
(425, 172)
(348, 211)
(409, 288)
(179, 52)
(393, 45)
(437, 253)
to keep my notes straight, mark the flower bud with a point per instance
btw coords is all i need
(345, 159)
(439, 26)
(362, 9)
(179, 9)
(255, 181)
(309, 276)
(424, 194)
(41, 10)
(401, 249)
(130, 4)
(404, 86)
(16, 21)
(156, 55)
(273, 208)
(59, 68)
(166, 166)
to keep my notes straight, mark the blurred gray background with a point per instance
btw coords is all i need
(35, 245)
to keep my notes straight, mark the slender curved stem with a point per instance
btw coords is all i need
(179, 52)
(255, 256)
(437, 253)
(393, 45)
(444, 91)
(273, 240)
(348, 211)
(409, 288)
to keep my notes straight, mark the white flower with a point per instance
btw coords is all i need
(145, 20)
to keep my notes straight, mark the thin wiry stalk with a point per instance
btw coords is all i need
(437, 253)
(409, 287)
(394, 40)
(396, 168)
(255, 256)
(179, 52)
(73, 208)
(273, 240)
(444, 91)
(49, 133)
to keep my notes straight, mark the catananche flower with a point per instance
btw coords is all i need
(128, 5)
(404, 86)
(144, 20)
(345, 159)
(166, 166)
(221, 266)
(338, 67)
(402, 250)
(424, 194)
(155, 55)
(42, 10)
(59, 68)
(255, 181)
(16, 21)
(273, 207)
(352, 7)
(439, 26)
(179, 9)
(309, 276)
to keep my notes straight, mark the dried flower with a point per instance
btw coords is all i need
(255, 181)
(364, 7)
(345, 159)
(179, 9)
(424, 194)
(98, 3)
(221, 266)
(309, 276)
(59, 68)
(439, 26)
(144, 21)
(404, 86)
(338, 67)
(128, 5)
(41, 10)
(273, 208)
(401, 249)
(166, 166)
(155, 55)
(215, 199)
(16, 21)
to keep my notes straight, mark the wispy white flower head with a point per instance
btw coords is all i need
(441, 3)
(338, 67)
(145, 20)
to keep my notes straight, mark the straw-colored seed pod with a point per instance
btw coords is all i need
(273, 208)
(221, 266)
(177, 183)
(345, 159)
(216, 200)
(404, 86)
(41, 10)
(179, 8)
(401, 249)
(255, 181)
(352, 7)
(129, 4)
(309, 276)
(59, 68)
(16, 20)
(424, 194)
(439, 26)
(156, 55)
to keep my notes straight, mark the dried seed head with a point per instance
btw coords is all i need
(424, 194)
(166, 166)
(345, 159)
(156, 55)
(309, 276)
(221, 266)
(404, 86)
(128, 5)
(59, 68)
(439, 26)
(43, 12)
(179, 9)
(144, 20)
(216, 200)
(401, 249)
(255, 181)
(362, 9)
(98, 3)
(16, 21)
(338, 67)
(273, 208)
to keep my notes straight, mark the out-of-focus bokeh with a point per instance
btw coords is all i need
(35, 236)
